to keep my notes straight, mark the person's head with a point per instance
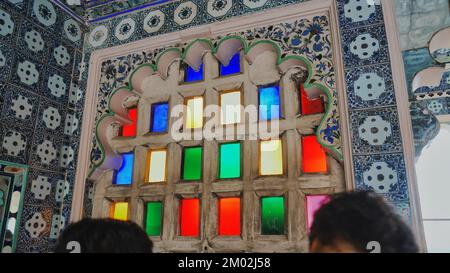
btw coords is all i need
(351, 221)
(104, 236)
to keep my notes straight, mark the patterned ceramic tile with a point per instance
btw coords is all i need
(370, 86)
(76, 95)
(20, 107)
(62, 57)
(7, 58)
(27, 72)
(45, 151)
(365, 46)
(51, 118)
(34, 42)
(9, 24)
(42, 187)
(67, 155)
(72, 124)
(375, 131)
(56, 85)
(35, 229)
(358, 13)
(15, 142)
(44, 12)
(384, 174)
(72, 31)
(438, 106)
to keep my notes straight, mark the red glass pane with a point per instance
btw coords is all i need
(129, 130)
(309, 106)
(313, 204)
(189, 217)
(314, 158)
(229, 216)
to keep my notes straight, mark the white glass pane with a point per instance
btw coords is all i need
(433, 176)
(437, 236)
(194, 117)
(157, 168)
(231, 108)
(15, 202)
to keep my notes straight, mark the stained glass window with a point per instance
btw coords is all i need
(314, 158)
(160, 117)
(230, 160)
(194, 118)
(119, 211)
(234, 67)
(230, 216)
(192, 163)
(313, 204)
(272, 215)
(124, 176)
(156, 166)
(153, 218)
(230, 105)
(189, 217)
(269, 103)
(310, 106)
(129, 130)
(193, 76)
(271, 157)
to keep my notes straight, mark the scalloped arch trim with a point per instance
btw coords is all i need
(192, 54)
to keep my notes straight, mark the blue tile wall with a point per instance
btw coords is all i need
(376, 140)
(40, 111)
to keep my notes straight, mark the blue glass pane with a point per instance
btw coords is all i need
(234, 67)
(160, 113)
(192, 75)
(124, 176)
(269, 97)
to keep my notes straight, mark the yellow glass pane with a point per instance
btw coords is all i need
(120, 211)
(194, 117)
(271, 153)
(230, 104)
(156, 166)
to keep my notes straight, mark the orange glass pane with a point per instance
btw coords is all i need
(230, 216)
(119, 211)
(190, 217)
(129, 130)
(314, 158)
(309, 106)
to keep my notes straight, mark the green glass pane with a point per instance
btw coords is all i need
(153, 221)
(272, 217)
(230, 160)
(192, 168)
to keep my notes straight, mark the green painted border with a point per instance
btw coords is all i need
(22, 197)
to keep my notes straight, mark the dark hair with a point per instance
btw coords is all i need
(358, 218)
(104, 236)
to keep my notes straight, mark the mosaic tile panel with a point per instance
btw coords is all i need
(37, 41)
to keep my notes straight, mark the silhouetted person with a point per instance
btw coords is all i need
(358, 222)
(104, 236)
